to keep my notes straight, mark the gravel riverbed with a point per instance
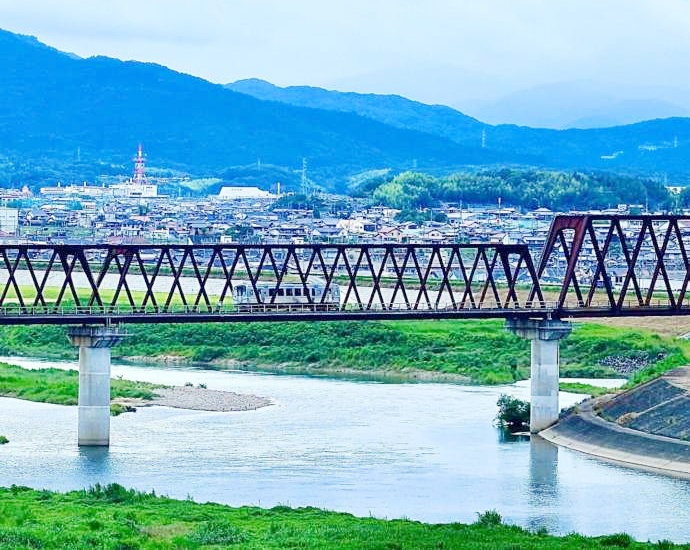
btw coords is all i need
(200, 399)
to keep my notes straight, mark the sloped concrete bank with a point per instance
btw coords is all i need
(647, 427)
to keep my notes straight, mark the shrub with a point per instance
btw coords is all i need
(513, 413)
(621, 540)
(3, 440)
(116, 409)
(490, 518)
(217, 532)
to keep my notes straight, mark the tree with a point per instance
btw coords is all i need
(513, 413)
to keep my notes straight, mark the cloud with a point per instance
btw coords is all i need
(517, 43)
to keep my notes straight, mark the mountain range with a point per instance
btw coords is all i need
(582, 104)
(64, 117)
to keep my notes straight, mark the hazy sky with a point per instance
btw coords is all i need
(431, 50)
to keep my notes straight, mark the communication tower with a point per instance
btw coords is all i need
(139, 168)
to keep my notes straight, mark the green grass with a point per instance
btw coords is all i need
(62, 386)
(108, 297)
(586, 389)
(482, 351)
(113, 517)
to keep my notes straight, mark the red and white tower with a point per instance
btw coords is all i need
(139, 168)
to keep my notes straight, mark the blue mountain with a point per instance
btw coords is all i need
(63, 117)
(53, 104)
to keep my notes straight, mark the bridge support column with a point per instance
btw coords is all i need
(94, 382)
(545, 335)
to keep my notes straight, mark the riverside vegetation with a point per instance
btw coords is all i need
(62, 386)
(466, 351)
(114, 517)
(474, 351)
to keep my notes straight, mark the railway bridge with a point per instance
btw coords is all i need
(589, 266)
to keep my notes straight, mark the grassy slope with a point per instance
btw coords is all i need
(481, 350)
(60, 386)
(113, 517)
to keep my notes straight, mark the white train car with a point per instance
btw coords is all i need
(269, 295)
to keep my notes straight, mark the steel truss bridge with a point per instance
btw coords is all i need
(589, 266)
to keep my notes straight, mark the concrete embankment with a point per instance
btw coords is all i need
(648, 426)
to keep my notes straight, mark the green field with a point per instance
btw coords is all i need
(480, 351)
(112, 517)
(108, 297)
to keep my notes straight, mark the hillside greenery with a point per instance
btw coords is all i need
(529, 189)
(113, 517)
(478, 351)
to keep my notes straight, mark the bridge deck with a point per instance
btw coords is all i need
(191, 314)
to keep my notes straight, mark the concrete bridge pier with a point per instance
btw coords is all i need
(94, 382)
(545, 335)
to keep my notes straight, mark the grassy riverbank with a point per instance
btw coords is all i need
(113, 517)
(62, 386)
(482, 351)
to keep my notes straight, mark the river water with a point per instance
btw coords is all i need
(423, 451)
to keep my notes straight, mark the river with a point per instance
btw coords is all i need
(423, 451)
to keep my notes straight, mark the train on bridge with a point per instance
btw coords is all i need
(315, 295)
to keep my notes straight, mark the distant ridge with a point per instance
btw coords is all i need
(54, 104)
(650, 147)
(389, 109)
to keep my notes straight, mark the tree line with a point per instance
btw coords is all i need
(527, 189)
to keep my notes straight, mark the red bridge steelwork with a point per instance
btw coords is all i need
(591, 266)
(607, 266)
(100, 284)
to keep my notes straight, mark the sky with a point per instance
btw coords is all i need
(445, 51)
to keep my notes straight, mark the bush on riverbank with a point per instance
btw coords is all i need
(114, 517)
(481, 350)
(513, 413)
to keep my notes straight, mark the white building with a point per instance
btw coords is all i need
(237, 193)
(131, 189)
(9, 220)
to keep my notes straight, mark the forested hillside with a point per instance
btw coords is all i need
(529, 189)
(647, 147)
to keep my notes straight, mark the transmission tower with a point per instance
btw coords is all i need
(139, 168)
(304, 176)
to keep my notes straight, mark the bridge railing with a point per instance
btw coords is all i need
(538, 307)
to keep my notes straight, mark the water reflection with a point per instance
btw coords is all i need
(95, 462)
(543, 484)
(506, 436)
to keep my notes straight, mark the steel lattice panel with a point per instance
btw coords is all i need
(618, 265)
(67, 284)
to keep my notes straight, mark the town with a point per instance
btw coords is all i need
(133, 212)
